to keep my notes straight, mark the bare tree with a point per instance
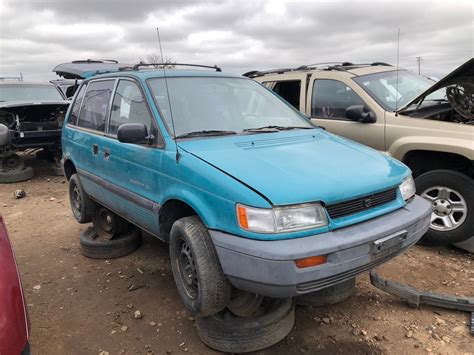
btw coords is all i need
(154, 58)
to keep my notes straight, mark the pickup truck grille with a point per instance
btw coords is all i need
(360, 204)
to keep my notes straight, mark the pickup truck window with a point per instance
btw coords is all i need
(95, 104)
(128, 107)
(288, 89)
(331, 98)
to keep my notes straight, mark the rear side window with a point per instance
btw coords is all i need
(95, 104)
(129, 106)
(76, 107)
(331, 98)
(289, 90)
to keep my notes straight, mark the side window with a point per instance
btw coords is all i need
(268, 84)
(95, 104)
(331, 98)
(76, 107)
(290, 91)
(128, 107)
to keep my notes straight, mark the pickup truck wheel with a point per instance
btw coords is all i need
(107, 224)
(327, 296)
(451, 195)
(81, 205)
(198, 275)
(229, 333)
(244, 304)
(93, 246)
(17, 175)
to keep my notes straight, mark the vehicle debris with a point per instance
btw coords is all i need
(20, 193)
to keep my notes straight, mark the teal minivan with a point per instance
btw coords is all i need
(249, 194)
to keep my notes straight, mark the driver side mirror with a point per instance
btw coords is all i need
(132, 133)
(360, 113)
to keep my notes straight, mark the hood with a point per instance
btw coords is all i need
(82, 69)
(24, 103)
(467, 69)
(300, 166)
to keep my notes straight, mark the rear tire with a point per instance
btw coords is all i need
(95, 247)
(81, 205)
(327, 296)
(107, 224)
(197, 272)
(228, 333)
(452, 197)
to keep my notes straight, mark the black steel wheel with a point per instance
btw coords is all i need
(81, 205)
(12, 163)
(197, 272)
(108, 224)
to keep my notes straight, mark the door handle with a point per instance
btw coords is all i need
(95, 149)
(106, 154)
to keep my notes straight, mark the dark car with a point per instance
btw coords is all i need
(14, 332)
(33, 114)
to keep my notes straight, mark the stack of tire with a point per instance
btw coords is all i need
(12, 169)
(227, 319)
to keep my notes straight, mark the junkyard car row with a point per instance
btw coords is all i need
(262, 207)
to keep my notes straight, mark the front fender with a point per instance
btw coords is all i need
(403, 145)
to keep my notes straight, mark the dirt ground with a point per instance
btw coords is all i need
(83, 306)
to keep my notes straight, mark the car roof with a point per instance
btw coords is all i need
(160, 73)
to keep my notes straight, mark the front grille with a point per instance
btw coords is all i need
(360, 204)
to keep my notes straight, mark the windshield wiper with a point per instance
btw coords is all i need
(274, 128)
(211, 132)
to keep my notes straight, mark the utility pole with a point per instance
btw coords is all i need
(419, 59)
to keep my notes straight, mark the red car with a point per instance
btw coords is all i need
(13, 319)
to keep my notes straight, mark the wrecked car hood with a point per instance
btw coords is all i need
(463, 71)
(300, 166)
(9, 104)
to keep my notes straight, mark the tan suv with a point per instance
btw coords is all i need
(427, 125)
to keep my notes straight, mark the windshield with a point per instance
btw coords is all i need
(383, 88)
(232, 105)
(27, 92)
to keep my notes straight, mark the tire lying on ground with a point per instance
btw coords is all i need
(95, 247)
(327, 296)
(452, 197)
(17, 175)
(229, 333)
(244, 304)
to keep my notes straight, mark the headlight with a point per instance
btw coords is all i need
(281, 219)
(407, 188)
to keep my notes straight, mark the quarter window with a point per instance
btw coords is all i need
(128, 107)
(76, 107)
(331, 98)
(95, 104)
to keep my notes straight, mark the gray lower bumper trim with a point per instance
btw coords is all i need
(268, 268)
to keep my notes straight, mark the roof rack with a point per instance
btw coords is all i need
(343, 66)
(88, 61)
(137, 66)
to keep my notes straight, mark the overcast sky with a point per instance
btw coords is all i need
(236, 35)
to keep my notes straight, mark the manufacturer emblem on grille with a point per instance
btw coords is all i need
(368, 202)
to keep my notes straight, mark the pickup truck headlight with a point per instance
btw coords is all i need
(407, 188)
(281, 219)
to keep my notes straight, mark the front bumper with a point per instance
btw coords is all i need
(268, 268)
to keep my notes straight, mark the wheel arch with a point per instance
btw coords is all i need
(69, 168)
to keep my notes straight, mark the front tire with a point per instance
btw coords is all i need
(197, 272)
(451, 195)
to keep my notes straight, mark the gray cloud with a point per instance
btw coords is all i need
(237, 35)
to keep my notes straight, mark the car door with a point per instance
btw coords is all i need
(131, 171)
(327, 100)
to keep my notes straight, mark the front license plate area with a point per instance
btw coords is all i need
(389, 244)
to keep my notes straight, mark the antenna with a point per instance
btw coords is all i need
(168, 93)
(398, 58)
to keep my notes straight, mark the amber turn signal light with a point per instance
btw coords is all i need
(242, 216)
(311, 261)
